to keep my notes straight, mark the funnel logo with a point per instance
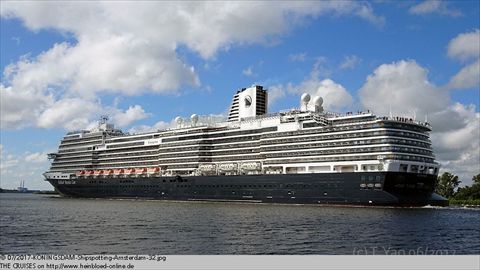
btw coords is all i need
(248, 101)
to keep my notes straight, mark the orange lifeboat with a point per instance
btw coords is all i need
(129, 171)
(108, 172)
(141, 171)
(97, 172)
(117, 171)
(154, 170)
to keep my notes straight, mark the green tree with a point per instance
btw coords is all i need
(446, 184)
(470, 193)
(476, 179)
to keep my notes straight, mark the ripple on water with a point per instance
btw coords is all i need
(36, 224)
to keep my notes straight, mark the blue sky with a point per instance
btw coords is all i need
(66, 63)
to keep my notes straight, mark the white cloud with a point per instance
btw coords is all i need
(275, 93)
(160, 125)
(404, 86)
(7, 163)
(434, 6)
(458, 149)
(465, 46)
(248, 71)
(71, 113)
(350, 62)
(37, 157)
(114, 51)
(335, 96)
(468, 77)
(298, 57)
(26, 167)
(132, 114)
(19, 108)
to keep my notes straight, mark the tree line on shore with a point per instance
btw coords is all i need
(447, 185)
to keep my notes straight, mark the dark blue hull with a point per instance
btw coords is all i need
(376, 188)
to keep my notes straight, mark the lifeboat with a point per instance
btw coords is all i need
(251, 166)
(108, 172)
(153, 170)
(88, 173)
(207, 167)
(129, 171)
(97, 172)
(80, 173)
(139, 171)
(117, 171)
(228, 167)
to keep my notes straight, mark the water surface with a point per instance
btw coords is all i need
(36, 224)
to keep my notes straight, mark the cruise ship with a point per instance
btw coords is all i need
(298, 156)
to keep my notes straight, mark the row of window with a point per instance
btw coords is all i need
(76, 145)
(128, 139)
(250, 186)
(350, 151)
(348, 136)
(140, 155)
(78, 139)
(349, 158)
(337, 129)
(344, 143)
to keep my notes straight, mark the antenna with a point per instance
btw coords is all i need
(103, 119)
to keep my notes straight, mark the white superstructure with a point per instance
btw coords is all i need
(305, 140)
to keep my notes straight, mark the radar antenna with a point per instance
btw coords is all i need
(103, 119)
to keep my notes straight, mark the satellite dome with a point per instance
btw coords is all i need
(194, 118)
(318, 101)
(178, 120)
(305, 98)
